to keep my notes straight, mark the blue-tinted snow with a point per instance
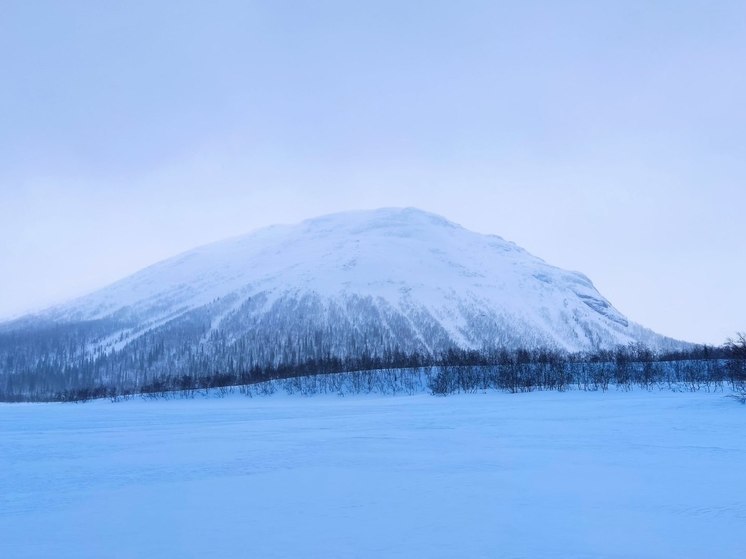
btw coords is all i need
(573, 474)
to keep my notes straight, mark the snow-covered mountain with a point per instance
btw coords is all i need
(368, 283)
(404, 272)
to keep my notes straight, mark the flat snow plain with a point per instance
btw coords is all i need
(576, 474)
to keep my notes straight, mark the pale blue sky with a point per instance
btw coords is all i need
(607, 137)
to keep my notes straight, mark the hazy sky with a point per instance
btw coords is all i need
(605, 137)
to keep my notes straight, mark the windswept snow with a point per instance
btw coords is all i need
(578, 474)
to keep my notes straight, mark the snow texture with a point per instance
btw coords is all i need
(578, 474)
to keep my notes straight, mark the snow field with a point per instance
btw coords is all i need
(574, 474)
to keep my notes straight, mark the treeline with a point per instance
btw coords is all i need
(453, 371)
(623, 369)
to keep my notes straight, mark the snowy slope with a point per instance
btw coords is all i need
(393, 274)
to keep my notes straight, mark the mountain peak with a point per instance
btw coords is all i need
(392, 277)
(360, 221)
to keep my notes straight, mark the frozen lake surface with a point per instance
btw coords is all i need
(573, 474)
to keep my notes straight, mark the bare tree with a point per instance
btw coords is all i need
(737, 346)
(737, 365)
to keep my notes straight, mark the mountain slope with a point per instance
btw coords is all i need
(367, 283)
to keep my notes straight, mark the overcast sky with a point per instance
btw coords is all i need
(605, 137)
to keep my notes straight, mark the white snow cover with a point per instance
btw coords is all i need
(541, 475)
(402, 259)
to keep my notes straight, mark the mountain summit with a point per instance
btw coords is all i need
(400, 277)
